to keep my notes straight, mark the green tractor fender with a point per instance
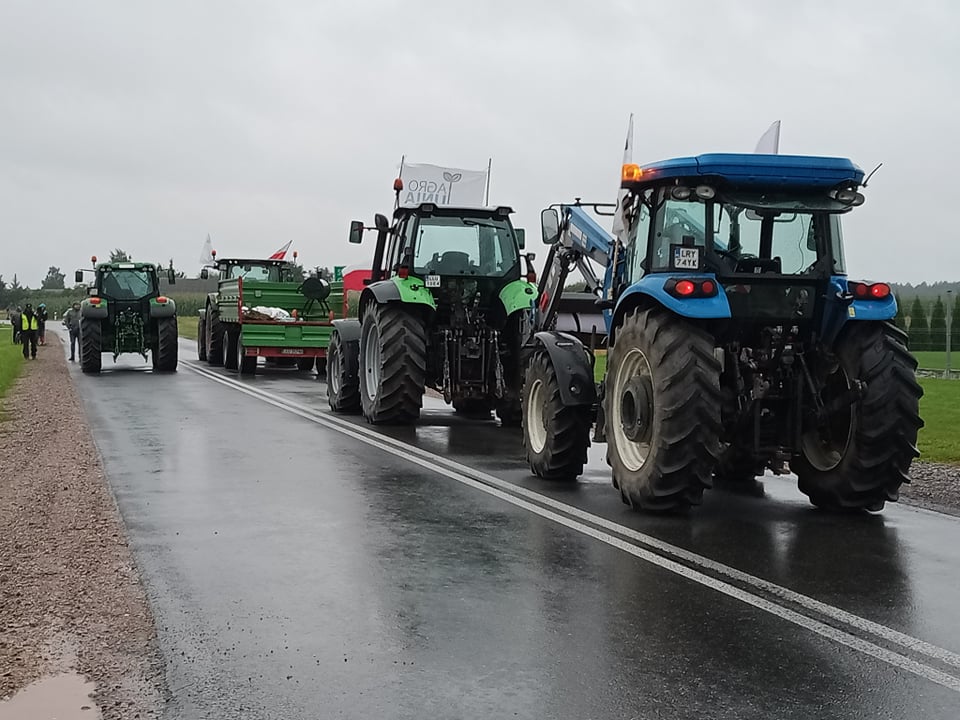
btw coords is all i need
(162, 307)
(93, 310)
(518, 295)
(409, 290)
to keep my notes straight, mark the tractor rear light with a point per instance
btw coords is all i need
(531, 277)
(162, 299)
(95, 301)
(870, 291)
(685, 288)
(403, 272)
(708, 287)
(879, 290)
(859, 290)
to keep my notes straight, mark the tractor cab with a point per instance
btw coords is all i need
(254, 270)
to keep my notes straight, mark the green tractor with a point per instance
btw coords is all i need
(447, 308)
(125, 313)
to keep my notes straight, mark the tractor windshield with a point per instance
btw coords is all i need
(127, 284)
(249, 271)
(452, 245)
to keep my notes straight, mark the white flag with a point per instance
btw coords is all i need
(281, 253)
(442, 185)
(206, 254)
(769, 143)
(618, 227)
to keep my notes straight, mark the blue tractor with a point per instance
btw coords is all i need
(736, 342)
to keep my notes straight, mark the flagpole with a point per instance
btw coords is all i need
(486, 192)
(402, 158)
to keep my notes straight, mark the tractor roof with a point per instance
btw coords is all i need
(467, 210)
(250, 261)
(752, 170)
(127, 265)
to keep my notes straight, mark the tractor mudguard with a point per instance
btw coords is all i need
(396, 289)
(518, 295)
(349, 329)
(841, 308)
(703, 308)
(93, 312)
(165, 309)
(571, 361)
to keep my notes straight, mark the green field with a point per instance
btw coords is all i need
(187, 326)
(940, 409)
(935, 360)
(11, 361)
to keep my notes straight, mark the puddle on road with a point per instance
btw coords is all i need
(59, 697)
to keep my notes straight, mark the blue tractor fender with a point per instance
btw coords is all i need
(348, 329)
(842, 307)
(573, 365)
(714, 307)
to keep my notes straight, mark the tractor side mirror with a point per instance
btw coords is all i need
(78, 276)
(204, 274)
(550, 225)
(381, 222)
(356, 232)
(521, 237)
(171, 276)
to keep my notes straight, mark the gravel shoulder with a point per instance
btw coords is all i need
(935, 486)
(70, 595)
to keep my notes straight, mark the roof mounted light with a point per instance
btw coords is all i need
(428, 207)
(631, 172)
(504, 211)
(847, 197)
(680, 192)
(705, 192)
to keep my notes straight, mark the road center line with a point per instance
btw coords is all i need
(536, 503)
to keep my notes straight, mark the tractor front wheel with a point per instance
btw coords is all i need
(230, 338)
(555, 436)
(214, 339)
(393, 351)
(165, 355)
(91, 345)
(858, 452)
(662, 409)
(343, 381)
(201, 340)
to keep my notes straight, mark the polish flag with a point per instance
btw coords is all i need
(281, 253)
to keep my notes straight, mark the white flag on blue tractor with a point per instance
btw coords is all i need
(618, 228)
(206, 254)
(769, 143)
(442, 185)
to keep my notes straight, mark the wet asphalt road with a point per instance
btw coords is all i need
(300, 566)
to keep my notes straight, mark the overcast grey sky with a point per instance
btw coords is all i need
(147, 125)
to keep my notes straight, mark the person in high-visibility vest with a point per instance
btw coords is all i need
(29, 328)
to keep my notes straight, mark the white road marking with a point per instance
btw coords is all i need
(549, 508)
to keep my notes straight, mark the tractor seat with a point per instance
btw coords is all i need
(453, 262)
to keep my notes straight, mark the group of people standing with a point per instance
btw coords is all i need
(30, 325)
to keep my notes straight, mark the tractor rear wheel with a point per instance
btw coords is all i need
(165, 355)
(246, 364)
(555, 436)
(393, 351)
(91, 345)
(858, 455)
(214, 339)
(343, 381)
(229, 348)
(201, 340)
(662, 409)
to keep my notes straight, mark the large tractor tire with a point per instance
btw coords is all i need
(555, 436)
(343, 375)
(230, 337)
(662, 410)
(393, 353)
(473, 408)
(246, 364)
(91, 345)
(201, 340)
(165, 356)
(860, 454)
(214, 339)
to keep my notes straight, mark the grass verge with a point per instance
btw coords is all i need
(187, 326)
(11, 363)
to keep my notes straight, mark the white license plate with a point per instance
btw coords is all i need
(686, 258)
(432, 281)
(291, 351)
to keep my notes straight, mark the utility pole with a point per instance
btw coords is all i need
(949, 323)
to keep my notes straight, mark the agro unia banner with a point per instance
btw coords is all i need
(442, 185)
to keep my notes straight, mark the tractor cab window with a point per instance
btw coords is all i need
(261, 273)
(449, 245)
(678, 222)
(639, 232)
(127, 284)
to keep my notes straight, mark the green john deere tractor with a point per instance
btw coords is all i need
(125, 313)
(448, 305)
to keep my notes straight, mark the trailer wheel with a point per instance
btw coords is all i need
(165, 355)
(91, 345)
(393, 352)
(246, 364)
(214, 339)
(343, 381)
(201, 340)
(662, 408)
(555, 436)
(229, 345)
(859, 455)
